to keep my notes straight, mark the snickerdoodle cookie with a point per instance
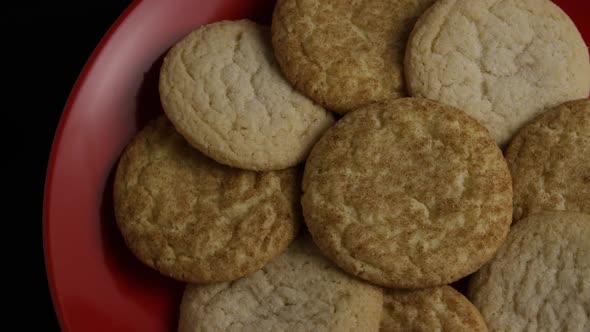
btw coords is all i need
(540, 278)
(196, 220)
(439, 308)
(345, 54)
(502, 62)
(407, 194)
(298, 291)
(550, 161)
(221, 88)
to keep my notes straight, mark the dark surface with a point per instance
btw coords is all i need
(46, 45)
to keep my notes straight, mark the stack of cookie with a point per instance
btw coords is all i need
(280, 218)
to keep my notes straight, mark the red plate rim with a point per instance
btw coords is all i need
(55, 146)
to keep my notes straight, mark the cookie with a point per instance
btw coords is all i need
(550, 161)
(540, 278)
(407, 194)
(195, 220)
(502, 62)
(345, 54)
(430, 309)
(298, 291)
(223, 91)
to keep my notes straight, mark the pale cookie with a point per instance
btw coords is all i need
(407, 194)
(502, 62)
(345, 54)
(430, 309)
(195, 220)
(540, 278)
(550, 161)
(223, 91)
(298, 291)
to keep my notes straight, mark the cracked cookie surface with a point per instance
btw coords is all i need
(297, 291)
(407, 194)
(501, 61)
(195, 220)
(345, 54)
(549, 160)
(223, 91)
(540, 278)
(430, 309)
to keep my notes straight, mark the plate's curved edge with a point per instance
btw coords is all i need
(86, 69)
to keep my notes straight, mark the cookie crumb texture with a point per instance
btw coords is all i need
(407, 194)
(430, 309)
(195, 220)
(502, 62)
(223, 91)
(345, 54)
(298, 291)
(550, 161)
(540, 278)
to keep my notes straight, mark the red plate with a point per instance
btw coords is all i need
(96, 283)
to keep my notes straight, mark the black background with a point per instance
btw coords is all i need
(45, 44)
